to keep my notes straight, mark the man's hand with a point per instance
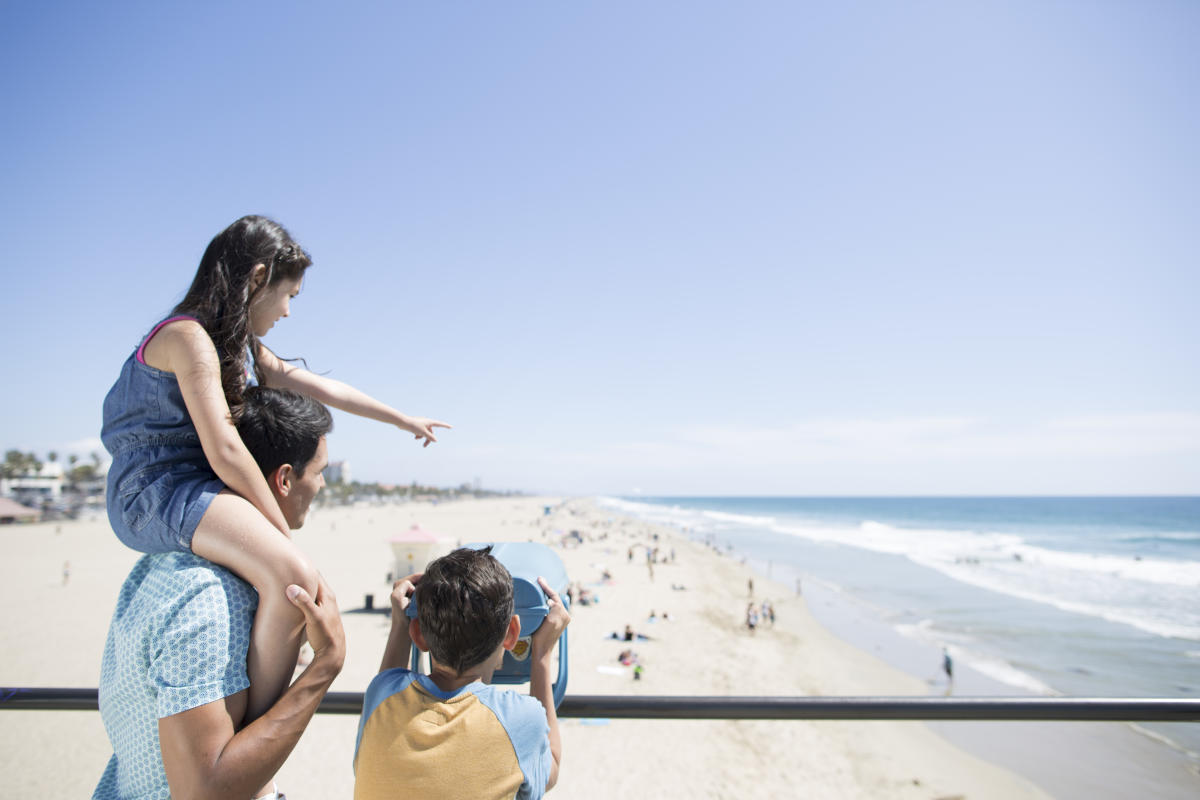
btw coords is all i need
(322, 622)
(402, 592)
(557, 619)
(205, 751)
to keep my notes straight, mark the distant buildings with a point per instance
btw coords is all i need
(50, 488)
(337, 472)
(38, 488)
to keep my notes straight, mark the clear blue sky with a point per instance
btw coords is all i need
(681, 248)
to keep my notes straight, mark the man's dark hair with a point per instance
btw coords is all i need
(279, 426)
(464, 602)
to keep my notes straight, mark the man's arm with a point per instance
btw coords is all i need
(398, 650)
(540, 685)
(206, 757)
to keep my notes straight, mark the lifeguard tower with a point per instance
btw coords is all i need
(412, 550)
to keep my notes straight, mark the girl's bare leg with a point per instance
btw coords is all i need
(235, 535)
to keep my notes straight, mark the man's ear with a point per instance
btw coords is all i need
(414, 633)
(513, 633)
(280, 480)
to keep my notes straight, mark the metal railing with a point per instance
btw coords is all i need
(1093, 709)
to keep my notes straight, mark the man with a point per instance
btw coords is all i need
(173, 680)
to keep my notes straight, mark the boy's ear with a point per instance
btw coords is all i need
(513, 633)
(414, 633)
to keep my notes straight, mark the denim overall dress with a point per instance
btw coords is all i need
(159, 483)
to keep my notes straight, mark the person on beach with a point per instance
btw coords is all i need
(181, 478)
(630, 635)
(487, 742)
(173, 680)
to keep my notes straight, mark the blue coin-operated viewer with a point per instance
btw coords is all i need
(525, 561)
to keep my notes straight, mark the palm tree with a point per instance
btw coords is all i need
(14, 460)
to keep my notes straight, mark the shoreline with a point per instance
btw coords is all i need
(705, 649)
(1127, 759)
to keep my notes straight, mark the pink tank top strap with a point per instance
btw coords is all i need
(141, 349)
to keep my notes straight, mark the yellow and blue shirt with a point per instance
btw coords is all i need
(478, 741)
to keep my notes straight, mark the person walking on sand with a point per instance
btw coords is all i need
(948, 668)
(181, 478)
(768, 612)
(751, 617)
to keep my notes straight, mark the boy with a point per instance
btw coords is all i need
(449, 734)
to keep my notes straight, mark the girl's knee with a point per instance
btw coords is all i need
(294, 568)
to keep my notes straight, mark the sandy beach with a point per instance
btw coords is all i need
(54, 634)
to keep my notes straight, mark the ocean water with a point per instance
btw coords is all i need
(1096, 596)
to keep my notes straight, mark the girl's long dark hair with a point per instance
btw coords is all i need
(220, 294)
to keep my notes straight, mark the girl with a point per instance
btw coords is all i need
(181, 478)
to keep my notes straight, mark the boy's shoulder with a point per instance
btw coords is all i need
(512, 708)
(510, 702)
(386, 684)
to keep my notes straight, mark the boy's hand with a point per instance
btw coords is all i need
(396, 651)
(402, 592)
(557, 619)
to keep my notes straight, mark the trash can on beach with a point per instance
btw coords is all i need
(525, 561)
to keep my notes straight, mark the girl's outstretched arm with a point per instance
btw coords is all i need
(280, 374)
(185, 349)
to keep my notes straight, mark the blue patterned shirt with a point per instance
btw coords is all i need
(178, 640)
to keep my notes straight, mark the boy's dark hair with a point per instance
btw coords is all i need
(279, 426)
(464, 602)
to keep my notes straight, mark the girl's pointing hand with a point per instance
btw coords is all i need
(422, 428)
